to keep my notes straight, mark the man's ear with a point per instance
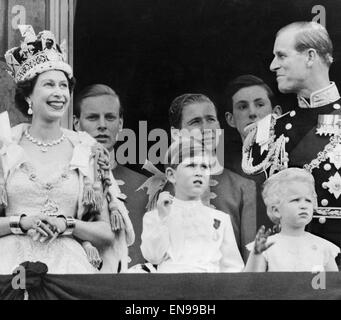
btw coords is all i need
(170, 174)
(120, 124)
(76, 123)
(175, 133)
(312, 55)
(230, 119)
(277, 110)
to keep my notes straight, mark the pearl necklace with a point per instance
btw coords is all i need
(43, 145)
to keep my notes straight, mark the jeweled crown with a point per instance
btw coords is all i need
(36, 54)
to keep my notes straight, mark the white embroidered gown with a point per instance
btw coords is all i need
(30, 193)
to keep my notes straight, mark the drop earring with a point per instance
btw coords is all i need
(29, 111)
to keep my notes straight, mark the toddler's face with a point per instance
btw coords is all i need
(192, 177)
(297, 206)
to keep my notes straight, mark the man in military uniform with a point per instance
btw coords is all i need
(98, 111)
(303, 54)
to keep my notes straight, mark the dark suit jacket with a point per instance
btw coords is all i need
(135, 202)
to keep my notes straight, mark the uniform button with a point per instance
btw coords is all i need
(336, 106)
(287, 139)
(322, 220)
(327, 167)
(288, 126)
(292, 113)
(324, 202)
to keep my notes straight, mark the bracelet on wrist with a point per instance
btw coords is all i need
(70, 225)
(14, 224)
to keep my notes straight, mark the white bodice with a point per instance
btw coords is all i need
(31, 193)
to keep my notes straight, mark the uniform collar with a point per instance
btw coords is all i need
(320, 97)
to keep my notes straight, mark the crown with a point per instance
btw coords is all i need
(35, 55)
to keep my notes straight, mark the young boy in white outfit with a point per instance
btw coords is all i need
(290, 199)
(182, 235)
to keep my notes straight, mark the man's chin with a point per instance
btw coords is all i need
(108, 146)
(285, 89)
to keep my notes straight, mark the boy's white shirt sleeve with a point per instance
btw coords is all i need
(231, 260)
(155, 237)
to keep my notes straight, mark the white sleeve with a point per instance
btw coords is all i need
(331, 251)
(155, 237)
(231, 260)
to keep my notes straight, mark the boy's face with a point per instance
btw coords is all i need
(200, 121)
(100, 117)
(250, 104)
(297, 206)
(191, 177)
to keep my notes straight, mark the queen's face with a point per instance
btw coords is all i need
(50, 96)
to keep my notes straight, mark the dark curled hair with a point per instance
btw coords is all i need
(25, 88)
(245, 81)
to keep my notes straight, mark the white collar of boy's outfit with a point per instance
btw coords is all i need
(186, 203)
(320, 97)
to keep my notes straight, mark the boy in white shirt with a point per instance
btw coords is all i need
(290, 199)
(182, 235)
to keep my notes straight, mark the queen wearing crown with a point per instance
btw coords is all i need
(60, 203)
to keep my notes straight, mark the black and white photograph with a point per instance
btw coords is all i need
(170, 154)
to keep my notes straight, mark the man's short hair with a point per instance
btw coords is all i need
(95, 90)
(312, 35)
(178, 104)
(245, 81)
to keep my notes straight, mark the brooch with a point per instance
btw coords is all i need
(216, 225)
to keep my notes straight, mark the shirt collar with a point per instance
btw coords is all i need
(320, 97)
(186, 204)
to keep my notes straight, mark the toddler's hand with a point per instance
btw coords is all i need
(261, 243)
(163, 204)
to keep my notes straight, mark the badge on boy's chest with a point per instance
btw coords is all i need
(216, 226)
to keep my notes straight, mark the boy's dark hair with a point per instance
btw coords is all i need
(245, 81)
(178, 104)
(182, 149)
